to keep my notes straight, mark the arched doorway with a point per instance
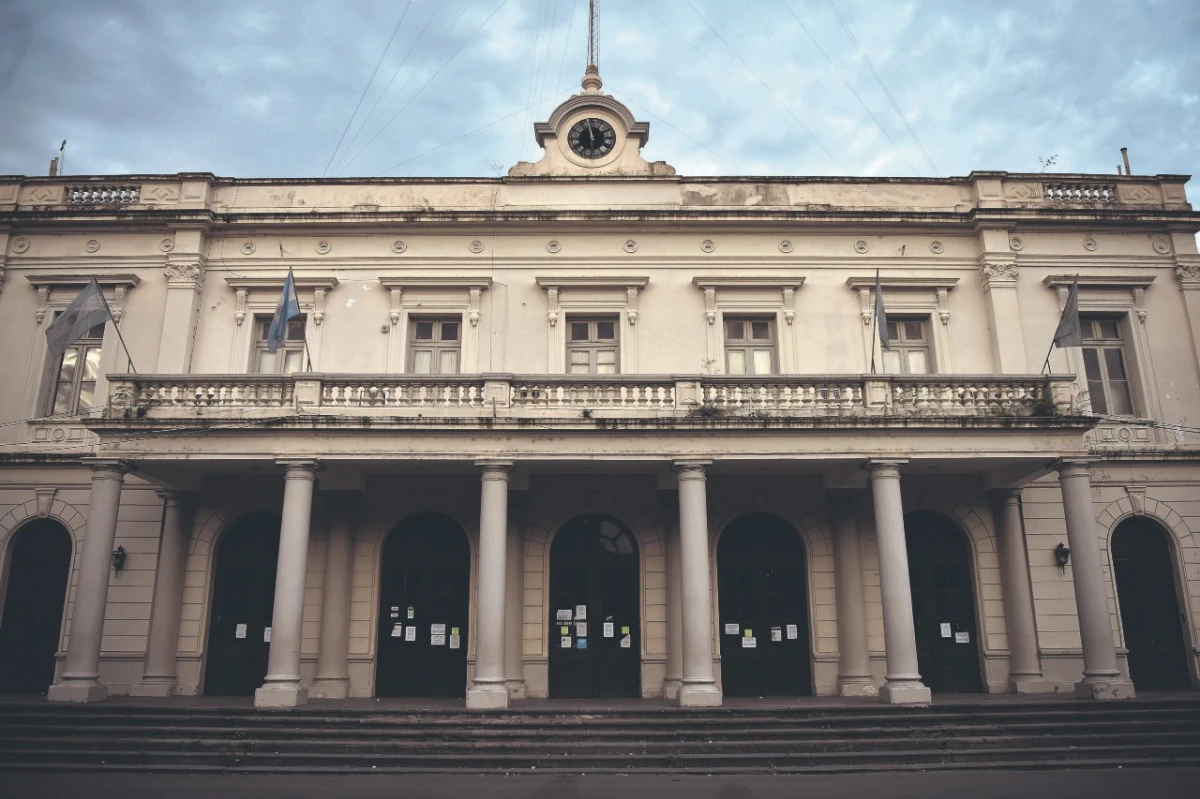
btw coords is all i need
(764, 609)
(595, 626)
(939, 568)
(242, 604)
(1150, 615)
(38, 570)
(424, 602)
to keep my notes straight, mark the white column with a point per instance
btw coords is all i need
(674, 665)
(903, 685)
(80, 679)
(854, 665)
(158, 679)
(332, 679)
(1024, 665)
(514, 600)
(1101, 677)
(488, 691)
(698, 687)
(282, 686)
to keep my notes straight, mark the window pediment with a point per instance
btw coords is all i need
(115, 286)
(246, 286)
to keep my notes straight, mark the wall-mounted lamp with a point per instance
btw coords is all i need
(118, 559)
(1062, 556)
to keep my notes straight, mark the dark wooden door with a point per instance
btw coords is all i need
(33, 607)
(243, 600)
(594, 568)
(424, 602)
(1150, 614)
(764, 609)
(939, 568)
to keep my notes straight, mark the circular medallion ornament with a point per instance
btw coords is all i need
(553, 246)
(166, 245)
(323, 247)
(591, 138)
(860, 246)
(248, 248)
(92, 245)
(399, 246)
(936, 247)
(707, 245)
(1015, 243)
(785, 246)
(630, 245)
(1160, 246)
(20, 245)
(1089, 243)
(477, 246)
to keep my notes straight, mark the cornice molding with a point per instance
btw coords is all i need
(931, 283)
(1100, 281)
(579, 281)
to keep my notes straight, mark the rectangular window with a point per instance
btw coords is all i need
(74, 390)
(434, 346)
(749, 346)
(592, 346)
(910, 350)
(288, 358)
(1106, 365)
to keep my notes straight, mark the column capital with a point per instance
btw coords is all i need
(1073, 467)
(1006, 495)
(884, 468)
(692, 469)
(299, 468)
(107, 468)
(494, 469)
(173, 496)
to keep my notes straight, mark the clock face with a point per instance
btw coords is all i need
(592, 138)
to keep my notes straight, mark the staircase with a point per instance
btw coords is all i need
(868, 737)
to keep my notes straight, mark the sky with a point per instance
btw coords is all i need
(306, 88)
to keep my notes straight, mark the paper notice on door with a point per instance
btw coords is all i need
(608, 629)
(562, 615)
(395, 608)
(239, 631)
(733, 629)
(454, 631)
(945, 630)
(792, 632)
(776, 634)
(266, 635)
(437, 629)
(749, 643)
(581, 629)
(565, 642)
(412, 613)
(564, 629)
(410, 633)
(581, 613)
(581, 643)
(395, 614)
(625, 641)
(747, 633)
(962, 638)
(437, 640)
(397, 630)
(455, 641)
(624, 630)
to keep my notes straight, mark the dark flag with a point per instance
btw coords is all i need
(85, 312)
(1069, 332)
(287, 310)
(880, 316)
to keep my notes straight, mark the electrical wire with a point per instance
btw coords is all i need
(882, 85)
(362, 96)
(562, 62)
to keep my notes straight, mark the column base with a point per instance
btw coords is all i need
(516, 689)
(858, 686)
(905, 693)
(153, 689)
(1104, 689)
(702, 695)
(671, 687)
(487, 697)
(1031, 685)
(281, 695)
(77, 692)
(332, 688)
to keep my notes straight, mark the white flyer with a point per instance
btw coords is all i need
(581, 629)
(562, 615)
(437, 629)
(266, 635)
(945, 630)
(608, 629)
(581, 612)
(732, 629)
(437, 640)
(397, 630)
(962, 638)
(239, 631)
(625, 642)
(565, 642)
(749, 643)
(792, 632)
(455, 641)
(410, 633)
(776, 634)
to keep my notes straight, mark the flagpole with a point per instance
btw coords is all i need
(128, 358)
(874, 318)
(304, 329)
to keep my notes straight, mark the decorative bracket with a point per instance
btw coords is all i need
(118, 306)
(865, 305)
(319, 305)
(552, 305)
(789, 304)
(397, 293)
(710, 304)
(943, 295)
(631, 304)
(1137, 499)
(240, 313)
(43, 299)
(473, 306)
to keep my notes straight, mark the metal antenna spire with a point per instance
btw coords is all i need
(591, 75)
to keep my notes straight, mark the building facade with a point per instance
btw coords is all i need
(598, 430)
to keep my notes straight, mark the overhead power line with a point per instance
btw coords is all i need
(362, 96)
(882, 85)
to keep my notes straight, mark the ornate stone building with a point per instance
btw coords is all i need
(595, 429)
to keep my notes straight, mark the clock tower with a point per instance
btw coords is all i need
(591, 134)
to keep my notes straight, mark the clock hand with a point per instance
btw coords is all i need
(591, 135)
